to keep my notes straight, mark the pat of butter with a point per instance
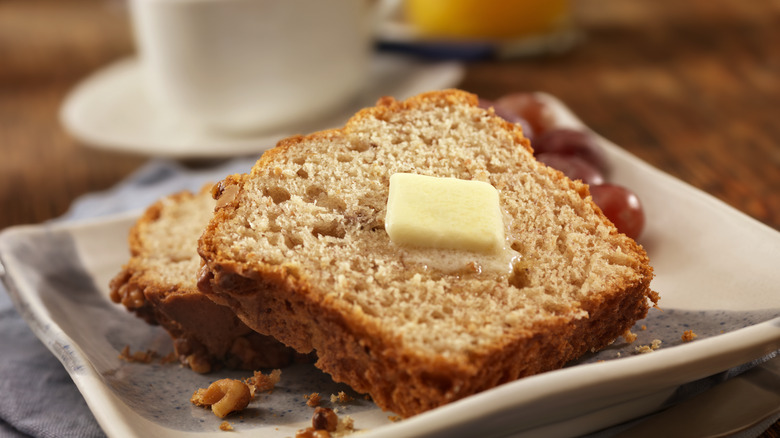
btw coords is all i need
(445, 213)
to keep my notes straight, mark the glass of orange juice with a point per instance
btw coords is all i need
(491, 19)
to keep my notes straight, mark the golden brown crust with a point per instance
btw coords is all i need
(275, 299)
(407, 385)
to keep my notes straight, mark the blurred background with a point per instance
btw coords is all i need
(690, 87)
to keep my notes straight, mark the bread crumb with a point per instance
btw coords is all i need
(341, 397)
(655, 345)
(225, 426)
(688, 336)
(147, 356)
(394, 418)
(629, 337)
(138, 357)
(310, 432)
(312, 399)
(346, 424)
(644, 327)
(261, 382)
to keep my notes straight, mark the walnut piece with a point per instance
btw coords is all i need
(223, 396)
(324, 419)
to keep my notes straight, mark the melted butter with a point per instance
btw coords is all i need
(461, 262)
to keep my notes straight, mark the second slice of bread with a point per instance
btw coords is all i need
(158, 284)
(299, 251)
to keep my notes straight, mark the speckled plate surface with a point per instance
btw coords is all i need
(716, 273)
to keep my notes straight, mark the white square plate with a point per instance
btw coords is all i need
(717, 274)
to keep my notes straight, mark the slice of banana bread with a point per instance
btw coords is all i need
(158, 283)
(298, 249)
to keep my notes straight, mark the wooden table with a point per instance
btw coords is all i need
(691, 87)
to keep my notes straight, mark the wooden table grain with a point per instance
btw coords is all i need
(691, 87)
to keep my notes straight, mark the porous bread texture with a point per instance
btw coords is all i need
(158, 283)
(299, 251)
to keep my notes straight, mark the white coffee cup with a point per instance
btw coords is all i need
(244, 66)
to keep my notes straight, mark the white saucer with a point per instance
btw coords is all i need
(110, 110)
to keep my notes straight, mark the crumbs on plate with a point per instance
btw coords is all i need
(225, 426)
(147, 356)
(688, 336)
(629, 336)
(138, 357)
(312, 399)
(260, 382)
(341, 397)
(655, 345)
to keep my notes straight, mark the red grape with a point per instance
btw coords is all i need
(528, 106)
(621, 206)
(573, 166)
(567, 141)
